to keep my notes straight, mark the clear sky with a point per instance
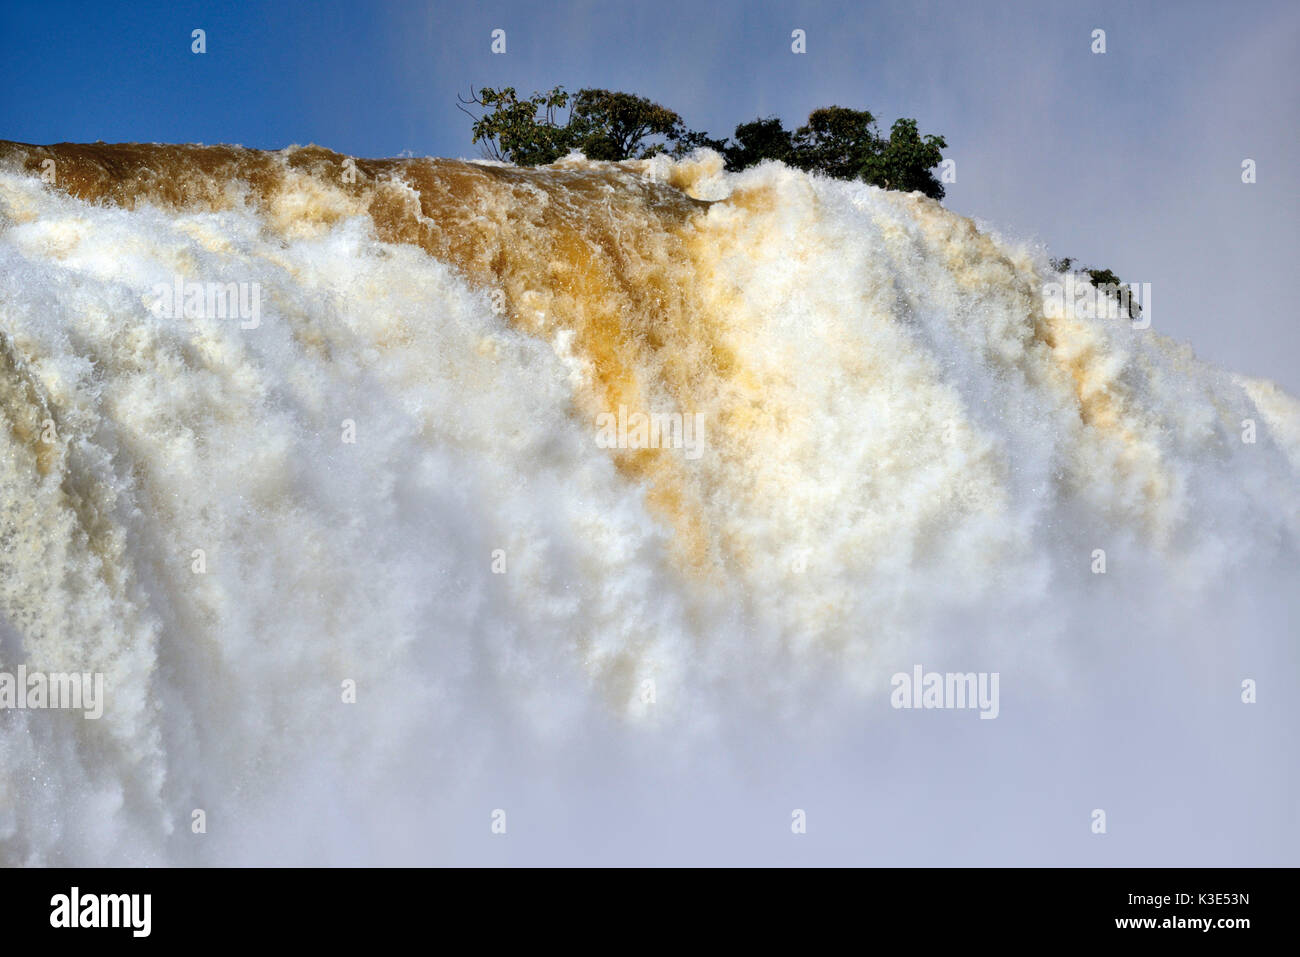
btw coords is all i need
(1129, 159)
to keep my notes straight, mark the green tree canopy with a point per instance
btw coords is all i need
(837, 141)
(525, 132)
(757, 141)
(609, 125)
(615, 126)
(602, 124)
(845, 144)
(905, 161)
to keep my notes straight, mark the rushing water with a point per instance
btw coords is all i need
(402, 460)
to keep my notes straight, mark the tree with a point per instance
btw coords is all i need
(837, 141)
(844, 143)
(905, 161)
(615, 126)
(609, 125)
(602, 124)
(692, 140)
(757, 141)
(511, 132)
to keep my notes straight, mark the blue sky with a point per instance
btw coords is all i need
(1128, 159)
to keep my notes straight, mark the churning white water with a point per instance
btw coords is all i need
(390, 485)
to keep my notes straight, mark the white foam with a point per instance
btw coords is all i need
(917, 482)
